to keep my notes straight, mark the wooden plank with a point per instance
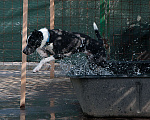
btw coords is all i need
(52, 16)
(23, 68)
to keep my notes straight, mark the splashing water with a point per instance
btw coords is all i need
(78, 65)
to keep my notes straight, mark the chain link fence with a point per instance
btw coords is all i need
(124, 23)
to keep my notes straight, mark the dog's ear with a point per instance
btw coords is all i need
(35, 31)
(40, 35)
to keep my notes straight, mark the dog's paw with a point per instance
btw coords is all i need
(36, 69)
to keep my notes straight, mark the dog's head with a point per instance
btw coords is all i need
(33, 42)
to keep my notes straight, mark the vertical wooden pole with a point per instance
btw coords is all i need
(52, 16)
(23, 69)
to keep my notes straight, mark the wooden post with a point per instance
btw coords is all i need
(23, 69)
(52, 16)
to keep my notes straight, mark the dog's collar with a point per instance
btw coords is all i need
(48, 38)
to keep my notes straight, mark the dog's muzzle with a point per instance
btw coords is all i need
(28, 50)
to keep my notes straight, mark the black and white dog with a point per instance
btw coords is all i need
(60, 44)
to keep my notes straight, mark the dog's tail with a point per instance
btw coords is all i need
(97, 33)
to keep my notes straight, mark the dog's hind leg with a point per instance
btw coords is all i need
(42, 62)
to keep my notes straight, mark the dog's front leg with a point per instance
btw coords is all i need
(42, 52)
(42, 62)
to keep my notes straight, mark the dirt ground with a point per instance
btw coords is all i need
(46, 98)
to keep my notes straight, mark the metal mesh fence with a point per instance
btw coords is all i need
(10, 29)
(129, 29)
(125, 23)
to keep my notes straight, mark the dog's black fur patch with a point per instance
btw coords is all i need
(33, 42)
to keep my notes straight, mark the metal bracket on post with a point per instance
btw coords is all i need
(23, 68)
(52, 16)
